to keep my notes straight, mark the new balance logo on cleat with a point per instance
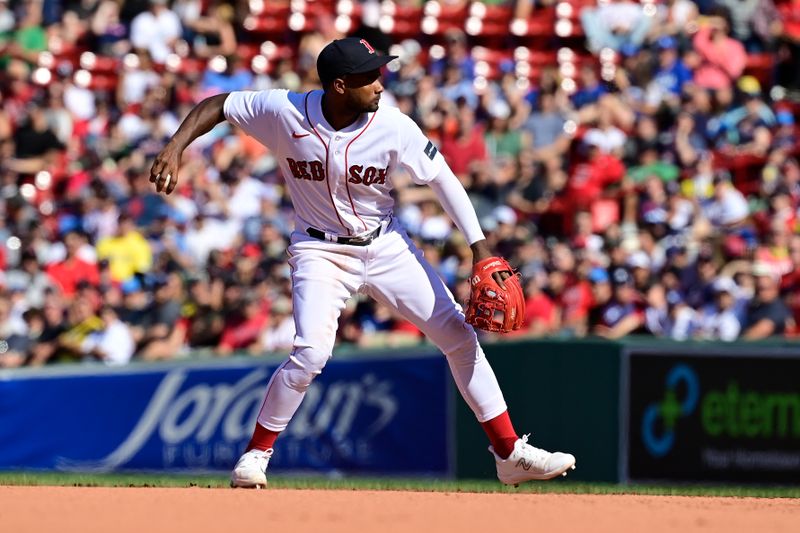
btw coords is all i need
(527, 463)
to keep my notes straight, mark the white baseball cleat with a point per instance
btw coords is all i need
(250, 471)
(527, 462)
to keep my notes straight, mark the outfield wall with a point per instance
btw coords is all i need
(566, 394)
(630, 411)
(198, 416)
(651, 411)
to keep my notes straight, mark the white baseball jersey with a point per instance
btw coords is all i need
(339, 181)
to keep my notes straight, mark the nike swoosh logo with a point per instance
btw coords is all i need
(300, 135)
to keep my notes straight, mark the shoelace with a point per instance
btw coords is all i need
(261, 458)
(536, 456)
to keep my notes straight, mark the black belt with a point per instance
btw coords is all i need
(360, 240)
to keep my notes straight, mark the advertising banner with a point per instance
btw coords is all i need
(359, 416)
(707, 417)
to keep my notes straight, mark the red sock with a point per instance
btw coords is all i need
(263, 438)
(501, 434)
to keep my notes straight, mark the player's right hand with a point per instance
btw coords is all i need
(164, 172)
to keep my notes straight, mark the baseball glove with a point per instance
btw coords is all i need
(490, 307)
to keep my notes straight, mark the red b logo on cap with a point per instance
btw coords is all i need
(365, 43)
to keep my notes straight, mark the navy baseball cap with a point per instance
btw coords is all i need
(350, 55)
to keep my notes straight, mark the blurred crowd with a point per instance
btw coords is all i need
(653, 190)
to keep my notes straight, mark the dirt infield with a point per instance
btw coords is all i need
(155, 510)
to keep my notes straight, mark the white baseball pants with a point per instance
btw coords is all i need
(392, 271)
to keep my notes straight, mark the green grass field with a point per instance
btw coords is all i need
(423, 485)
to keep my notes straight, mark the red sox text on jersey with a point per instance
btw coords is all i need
(339, 180)
(357, 174)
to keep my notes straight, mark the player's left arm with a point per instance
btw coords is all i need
(427, 166)
(459, 208)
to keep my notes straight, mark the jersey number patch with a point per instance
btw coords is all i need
(430, 150)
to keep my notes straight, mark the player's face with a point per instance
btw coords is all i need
(363, 91)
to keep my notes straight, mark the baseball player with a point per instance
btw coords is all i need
(338, 150)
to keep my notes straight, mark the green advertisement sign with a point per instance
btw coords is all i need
(709, 417)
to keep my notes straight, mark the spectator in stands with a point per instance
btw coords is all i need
(789, 32)
(641, 271)
(545, 128)
(214, 34)
(225, 74)
(31, 279)
(137, 78)
(746, 129)
(463, 143)
(688, 143)
(615, 24)
(163, 332)
(566, 206)
(601, 298)
(790, 282)
(657, 319)
(81, 322)
(500, 138)
(30, 37)
(73, 269)
(721, 58)
(112, 343)
(741, 17)
(590, 90)
(537, 187)
(605, 135)
(643, 148)
(624, 314)
(719, 320)
(654, 201)
(279, 334)
(767, 315)
(457, 88)
(672, 74)
(667, 314)
(11, 333)
(785, 135)
(127, 252)
(108, 31)
(20, 345)
(156, 30)
(35, 143)
(541, 314)
(7, 23)
(775, 251)
(683, 317)
(593, 177)
(457, 56)
(243, 329)
(729, 207)
(379, 326)
(203, 312)
(135, 306)
(675, 18)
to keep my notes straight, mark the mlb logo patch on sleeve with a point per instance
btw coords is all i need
(430, 150)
